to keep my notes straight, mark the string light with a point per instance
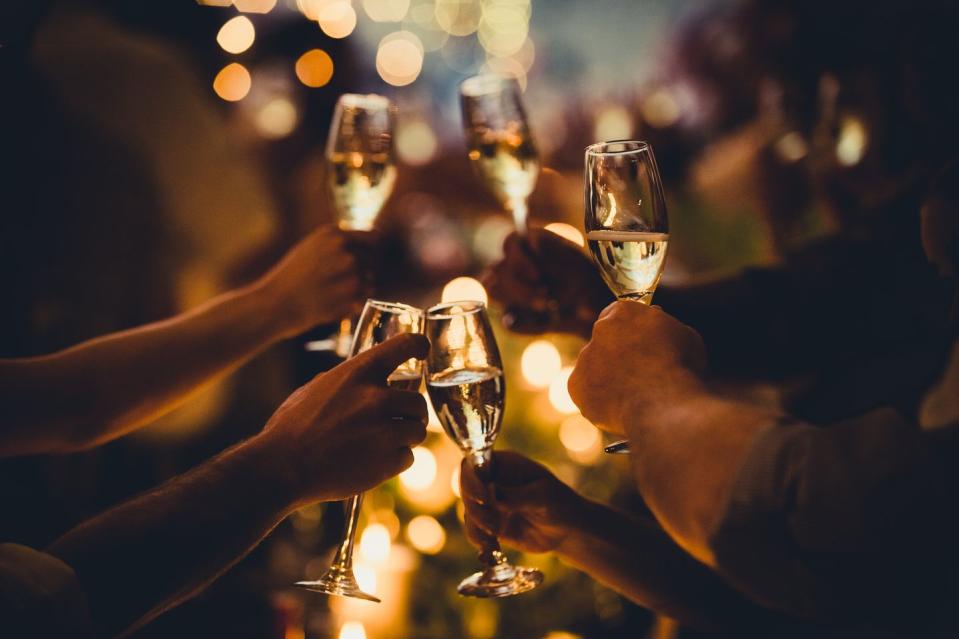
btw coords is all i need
(581, 439)
(399, 58)
(458, 17)
(337, 19)
(314, 68)
(236, 35)
(386, 10)
(540, 363)
(852, 141)
(463, 289)
(422, 473)
(375, 543)
(254, 6)
(352, 630)
(233, 82)
(559, 395)
(276, 118)
(426, 534)
(416, 144)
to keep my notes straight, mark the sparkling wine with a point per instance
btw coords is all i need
(408, 380)
(508, 164)
(469, 404)
(631, 263)
(360, 184)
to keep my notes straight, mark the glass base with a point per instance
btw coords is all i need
(501, 580)
(337, 582)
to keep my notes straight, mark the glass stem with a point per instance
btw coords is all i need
(520, 211)
(344, 556)
(490, 554)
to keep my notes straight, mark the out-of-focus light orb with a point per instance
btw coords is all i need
(503, 28)
(433, 421)
(426, 534)
(236, 35)
(337, 19)
(660, 109)
(233, 82)
(416, 144)
(276, 119)
(852, 142)
(578, 435)
(561, 634)
(458, 17)
(567, 232)
(508, 67)
(791, 147)
(613, 123)
(455, 482)
(399, 58)
(375, 543)
(559, 395)
(422, 473)
(464, 289)
(314, 68)
(365, 577)
(353, 629)
(310, 8)
(540, 363)
(254, 6)
(386, 10)
(387, 517)
(215, 3)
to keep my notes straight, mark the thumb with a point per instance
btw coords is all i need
(381, 360)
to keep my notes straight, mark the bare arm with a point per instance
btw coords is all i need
(108, 386)
(342, 433)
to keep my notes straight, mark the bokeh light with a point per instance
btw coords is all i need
(581, 439)
(852, 141)
(568, 232)
(613, 123)
(314, 68)
(236, 35)
(660, 109)
(337, 19)
(426, 534)
(464, 289)
(375, 543)
(458, 17)
(399, 58)
(489, 237)
(540, 363)
(422, 473)
(254, 6)
(559, 395)
(455, 482)
(791, 147)
(387, 517)
(352, 630)
(276, 118)
(386, 10)
(416, 144)
(233, 82)
(365, 577)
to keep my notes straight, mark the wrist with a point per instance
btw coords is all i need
(273, 308)
(577, 526)
(680, 394)
(267, 465)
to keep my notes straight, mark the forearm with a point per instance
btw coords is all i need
(685, 455)
(145, 556)
(636, 558)
(107, 386)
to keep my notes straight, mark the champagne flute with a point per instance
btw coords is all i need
(464, 378)
(500, 144)
(360, 175)
(627, 227)
(378, 322)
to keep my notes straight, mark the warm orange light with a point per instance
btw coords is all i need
(399, 58)
(315, 68)
(567, 231)
(236, 35)
(559, 395)
(254, 6)
(233, 82)
(540, 363)
(462, 289)
(337, 19)
(426, 534)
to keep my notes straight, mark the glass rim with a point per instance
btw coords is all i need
(393, 307)
(486, 84)
(629, 146)
(366, 101)
(443, 310)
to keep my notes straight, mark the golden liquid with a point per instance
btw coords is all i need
(630, 263)
(360, 183)
(408, 380)
(469, 404)
(508, 164)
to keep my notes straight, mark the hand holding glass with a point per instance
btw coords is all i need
(464, 377)
(378, 322)
(626, 222)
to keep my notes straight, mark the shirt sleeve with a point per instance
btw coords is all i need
(40, 597)
(832, 523)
